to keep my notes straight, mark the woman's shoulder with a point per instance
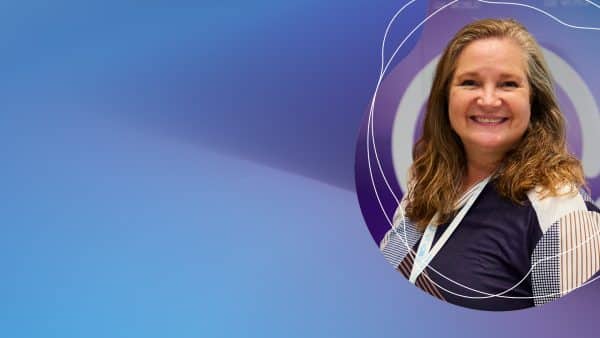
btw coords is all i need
(568, 253)
(400, 238)
(567, 200)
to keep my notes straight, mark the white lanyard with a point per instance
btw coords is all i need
(425, 253)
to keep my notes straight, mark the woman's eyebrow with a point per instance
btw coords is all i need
(504, 75)
(467, 74)
(511, 76)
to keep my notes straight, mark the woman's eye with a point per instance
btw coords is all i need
(511, 84)
(468, 83)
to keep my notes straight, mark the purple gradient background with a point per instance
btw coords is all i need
(186, 169)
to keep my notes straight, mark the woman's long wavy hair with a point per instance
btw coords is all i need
(541, 157)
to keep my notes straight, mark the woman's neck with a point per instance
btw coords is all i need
(478, 169)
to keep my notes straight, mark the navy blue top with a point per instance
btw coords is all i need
(489, 251)
(492, 249)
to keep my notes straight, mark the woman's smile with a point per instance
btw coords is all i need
(488, 120)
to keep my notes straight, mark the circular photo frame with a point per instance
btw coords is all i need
(489, 251)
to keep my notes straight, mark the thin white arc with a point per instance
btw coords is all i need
(593, 3)
(371, 110)
(499, 295)
(370, 129)
(541, 11)
(387, 30)
(370, 123)
(490, 295)
(373, 180)
(411, 33)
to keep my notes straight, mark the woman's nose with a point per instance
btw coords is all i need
(489, 97)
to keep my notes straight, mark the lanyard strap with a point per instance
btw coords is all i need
(425, 253)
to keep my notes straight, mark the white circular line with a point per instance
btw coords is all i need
(370, 128)
(541, 11)
(500, 294)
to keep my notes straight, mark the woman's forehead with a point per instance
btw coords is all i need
(498, 56)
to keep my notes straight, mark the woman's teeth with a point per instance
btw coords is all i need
(482, 119)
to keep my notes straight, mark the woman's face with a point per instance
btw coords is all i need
(489, 104)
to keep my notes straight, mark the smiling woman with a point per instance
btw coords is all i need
(495, 216)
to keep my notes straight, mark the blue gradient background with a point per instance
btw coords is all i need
(185, 169)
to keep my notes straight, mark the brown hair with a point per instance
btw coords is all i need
(540, 159)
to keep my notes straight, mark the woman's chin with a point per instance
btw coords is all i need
(489, 145)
